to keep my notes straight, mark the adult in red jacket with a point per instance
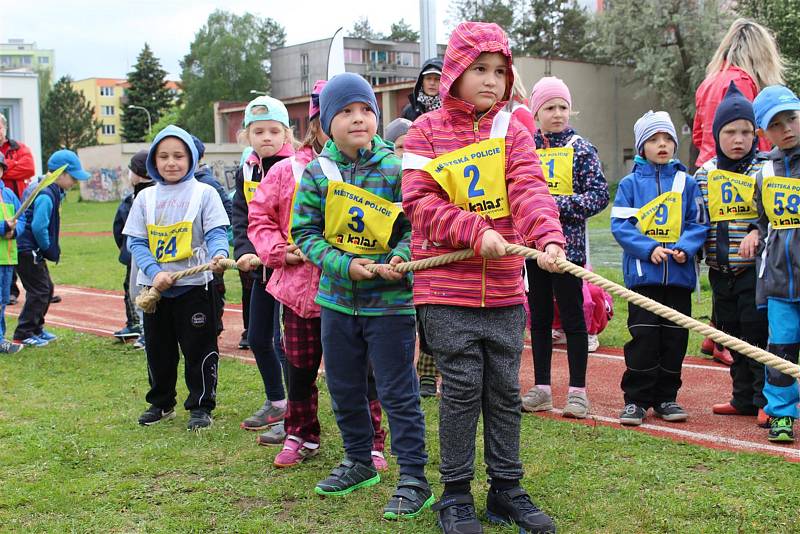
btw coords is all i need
(748, 56)
(18, 159)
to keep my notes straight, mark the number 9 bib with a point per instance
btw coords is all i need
(661, 218)
(781, 198)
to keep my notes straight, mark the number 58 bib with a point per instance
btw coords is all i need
(781, 198)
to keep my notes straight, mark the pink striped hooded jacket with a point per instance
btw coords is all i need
(438, 225)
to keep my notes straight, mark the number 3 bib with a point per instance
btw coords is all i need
(172, 242)
(557, 167)
(661, 218)
(356, 220)
(474, 177)
(730, 196)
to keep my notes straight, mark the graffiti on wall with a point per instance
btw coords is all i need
(225, 173)
(106, 184)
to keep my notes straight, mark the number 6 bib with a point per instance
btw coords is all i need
(172, 242)
(356, 220)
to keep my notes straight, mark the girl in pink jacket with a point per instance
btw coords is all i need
(294, 284)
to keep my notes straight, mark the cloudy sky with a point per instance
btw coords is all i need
(101, 38)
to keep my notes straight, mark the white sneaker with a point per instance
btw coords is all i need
(594, 342)
(559, 337)
(537, 400)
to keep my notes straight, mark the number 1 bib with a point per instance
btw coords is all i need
(730, 196)
(356, 220)
(781, 198)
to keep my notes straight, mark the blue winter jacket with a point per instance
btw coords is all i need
(645, 183)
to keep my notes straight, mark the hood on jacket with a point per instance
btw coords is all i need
(183, 135)
(433, 63)
(369, 156)
(468, 41)
(645, 167)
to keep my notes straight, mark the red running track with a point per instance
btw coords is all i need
(102, 312)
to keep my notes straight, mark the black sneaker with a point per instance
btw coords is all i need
(427, 386)
(243, 343)
(670, 411)
(514, 506)
(154, 415)
(632, 415)
(7, 347)
(410, 499)
(129, 332)
(199, 419)
(457, 514)
(347, 477)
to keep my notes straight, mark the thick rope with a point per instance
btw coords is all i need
(149, 297)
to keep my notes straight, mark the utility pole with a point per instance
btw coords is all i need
(427, 30)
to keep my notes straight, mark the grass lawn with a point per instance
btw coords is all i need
(73, 459)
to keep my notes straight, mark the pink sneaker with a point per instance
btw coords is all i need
(294, 453)
(379, 461)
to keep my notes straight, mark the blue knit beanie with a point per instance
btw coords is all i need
(734, 106)
(340, 91)
(651, 123)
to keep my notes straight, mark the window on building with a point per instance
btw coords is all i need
(106, 91)
(405, 59)
(109, 129)
(107, 111)
(378, 56)
(44, 60)
(5, 60)
(353, 55)
(26, 60)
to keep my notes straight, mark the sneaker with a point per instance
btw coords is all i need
(781, 429)
(411, 497)
(294, 453)
(427, 386)
(594, 342)
(13, 299)
(457, 514)
(708, 345)
(7, 347)
(559, 337)
(47, 336)
(379, 461)
(128, 332)
(514, 506)
(198, 420)
(55, 299)
(243, 343)
(276, 435)
(726, 408)
(139, 343)
(154, 415)
(347, 477)
(671, 411)
(632, 415)
(264, 417)
(762, 419)
(577, 405)
(722, 355)
(32, 341)
(537, 400)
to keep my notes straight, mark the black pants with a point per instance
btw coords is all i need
(655, 353)
(247, 286)
(264, 339)
(187, 321)
(35, 278)
(131, 319)
(14, 287)
(568, 291)
(737, 315)
(218, 284)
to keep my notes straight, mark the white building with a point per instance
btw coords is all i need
(19, 102)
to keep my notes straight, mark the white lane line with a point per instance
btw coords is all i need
(738, 443)
(75, 291)
(606, 356)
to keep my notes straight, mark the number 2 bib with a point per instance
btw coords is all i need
(172, 242)
(356, 220)
(781, 198)
(557, 165)
(730, 196)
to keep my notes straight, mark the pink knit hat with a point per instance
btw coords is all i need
(313, 104)
(546, 89)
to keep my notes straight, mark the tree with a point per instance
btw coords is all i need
(146, 89)
(500, 12)
(783, 18)
(67, 119)
(363, 30)
(230, 56)
(170, 116)
(402, 31)
(667, 44)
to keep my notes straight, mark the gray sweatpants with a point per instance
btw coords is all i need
(478, 353)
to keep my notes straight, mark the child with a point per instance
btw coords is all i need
(777, 199)
(137, 174)
(727, 183)
(172, 226)
(39, 242)
(266, 129)
(575, 179)
(344, 218)
(396, 134)
(294, 283)
(8, 256)
(655, 220)
(467, 168)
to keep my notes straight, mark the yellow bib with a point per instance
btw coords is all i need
(474, 177)
(781, 199)
(249, 187)
(557, 169)
(170, 243)
(730, 196)
(660, 219)
(356, 220)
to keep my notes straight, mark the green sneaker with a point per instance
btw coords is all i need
(781, 429)
(410, 499)
(346, 478)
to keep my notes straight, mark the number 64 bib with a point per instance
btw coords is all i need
(172, 242)
(356, 220)
(730, 196)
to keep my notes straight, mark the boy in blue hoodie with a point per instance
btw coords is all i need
(8, 255)
(38, 243)
(172, 226)
(655, 220)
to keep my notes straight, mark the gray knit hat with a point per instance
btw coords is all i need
(396, 128)
(652, 123)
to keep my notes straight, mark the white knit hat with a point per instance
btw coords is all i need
(652, 123)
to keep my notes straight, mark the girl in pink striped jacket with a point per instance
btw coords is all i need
(471, 179)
